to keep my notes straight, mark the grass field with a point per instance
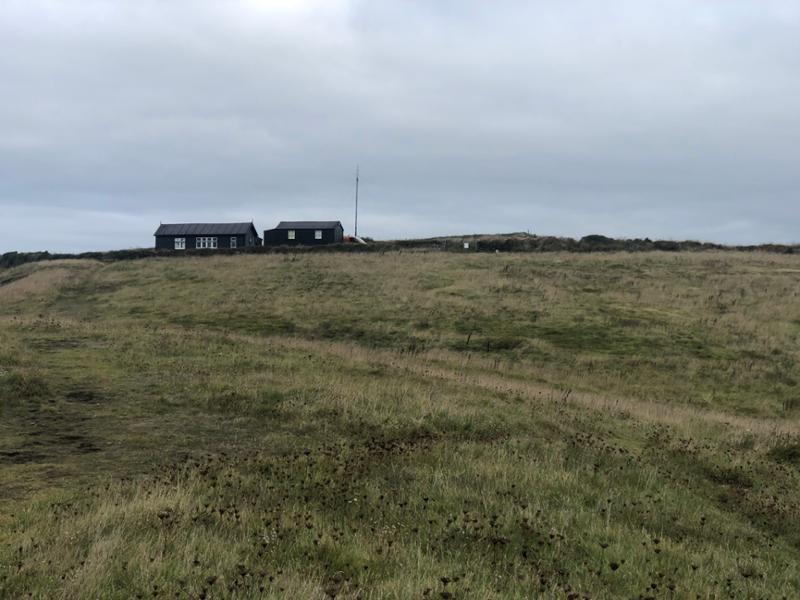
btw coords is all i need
(401, 425)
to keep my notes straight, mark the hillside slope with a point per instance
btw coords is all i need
(401, 425)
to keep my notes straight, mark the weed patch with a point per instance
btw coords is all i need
(788, 453)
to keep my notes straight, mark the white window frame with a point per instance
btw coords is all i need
(180, 243)
(234, 241)
(205, 242)
(290, 235)
(318, 234)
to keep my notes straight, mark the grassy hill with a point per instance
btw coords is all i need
(401, 425)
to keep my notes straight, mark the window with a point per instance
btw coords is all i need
(180, 243)
(290, 233)
(206, 242)
(233, 241)
(318, 234)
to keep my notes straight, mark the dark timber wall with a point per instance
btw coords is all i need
(167, 242)
(303, 237)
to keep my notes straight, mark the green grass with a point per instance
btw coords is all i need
(405, 425)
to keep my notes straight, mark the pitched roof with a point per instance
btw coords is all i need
(204, 228)
(308, 224)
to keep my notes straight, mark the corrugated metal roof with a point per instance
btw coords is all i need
(308, 224)
(204, 229)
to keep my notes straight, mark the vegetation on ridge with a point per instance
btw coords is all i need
(503, 242)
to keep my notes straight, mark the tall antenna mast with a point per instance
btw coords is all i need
(355, 229)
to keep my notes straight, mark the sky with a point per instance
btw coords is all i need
(670, 119)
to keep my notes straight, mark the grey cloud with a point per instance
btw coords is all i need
(662, 119)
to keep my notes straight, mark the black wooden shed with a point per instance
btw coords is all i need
(305, 233)
(184, 236)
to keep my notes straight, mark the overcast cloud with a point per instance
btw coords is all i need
(668, 119)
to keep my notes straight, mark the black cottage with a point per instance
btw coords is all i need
(186, 236)
(305, 233)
